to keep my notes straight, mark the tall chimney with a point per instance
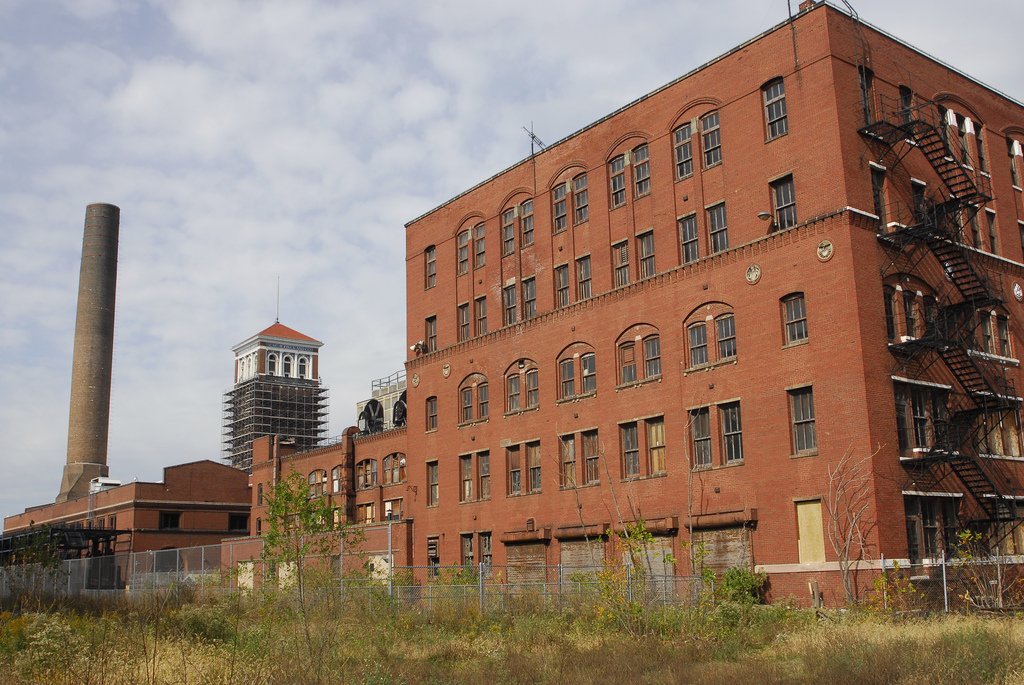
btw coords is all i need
(94, 350)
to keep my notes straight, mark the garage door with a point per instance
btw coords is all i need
(526, 564)
(725, 547)
(581, 555)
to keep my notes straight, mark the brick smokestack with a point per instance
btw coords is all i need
(94, 350)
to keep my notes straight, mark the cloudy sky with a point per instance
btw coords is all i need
(246, 140)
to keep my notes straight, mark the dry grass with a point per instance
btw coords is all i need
(259, 640)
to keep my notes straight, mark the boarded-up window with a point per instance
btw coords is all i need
(655, 556)
(526, 565)
(725, 547)
(809, 532)
(581, 555)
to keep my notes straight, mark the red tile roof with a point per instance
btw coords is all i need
(279, 330)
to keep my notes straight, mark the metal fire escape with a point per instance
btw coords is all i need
(931, 242)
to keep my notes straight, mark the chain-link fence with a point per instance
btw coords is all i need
(951, 584)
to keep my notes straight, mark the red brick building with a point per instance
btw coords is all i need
(199, 503)
(690, 311)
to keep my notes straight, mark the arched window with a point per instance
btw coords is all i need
(272, 364)
(336, 479)
(474, 404)
(430, 407)
(317, 481)
(366, 473)
(393, 468)
(522, 386)
(577, 371)
(710, 335)
(286, 365)
(776, 121)
(462, 252)
(303, 367)
(794, 318)
(639, 354)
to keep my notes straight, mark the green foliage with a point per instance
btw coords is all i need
(894, 591)
(742, 585)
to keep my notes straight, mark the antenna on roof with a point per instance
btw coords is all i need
(277, 314)
(534, 140)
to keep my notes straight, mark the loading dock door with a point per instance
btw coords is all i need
(725, 547)
(526, 564)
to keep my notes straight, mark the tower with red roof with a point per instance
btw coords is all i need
(277, 391)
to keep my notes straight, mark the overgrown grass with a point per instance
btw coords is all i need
(259, 639)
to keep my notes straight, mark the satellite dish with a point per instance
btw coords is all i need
(398, 413)
(371, 419)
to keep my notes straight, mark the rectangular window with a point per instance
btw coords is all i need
(975, 229)
(466, 543)
(910, 312)
(512, 384)
(515, 470)
(794, 312)
(718, 227)
(466, 405)
(526, 222)
(878, 196)
(627, 363)
(711, 137)
(1011, 147)
(567, 447)
(486, 556)
(620, 261)
(732, 432)
(980, 140)
(433, 557)
(591, 451)
(430, 267)
(645, 253)
(364, 513)
(775, 108)
(169, 520)
(466, 477)
(483, 463)
(562, 286)
(993, 235)
(559, 210)
(726, 329)
(919, 409)
(508, 298)
(463, 252)
(698, 339)
(588, 363)
(641, 171)
(700, 427)
(533, 463)
(630, 450)
(652, 356)
(688, 238)
(802, 410)
(656, 445)
(479, 253)
(508, 232)
(784, 202)
(1003, 330)
(480, 307)
(532, 388)
(617, 179)
(567, 378)
(433, 492)
(431, 413)
(906, 104)
(682, 142)
(463, 315)
(810, 536)
(482, 406)
(529, 298)
(430, 333)
(580, 198)
(583, 287)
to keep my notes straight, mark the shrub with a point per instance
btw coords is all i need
(741, 585)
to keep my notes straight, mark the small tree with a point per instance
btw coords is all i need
(848, 502)
(301, 528)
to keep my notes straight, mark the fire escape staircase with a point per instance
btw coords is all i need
(949, 331)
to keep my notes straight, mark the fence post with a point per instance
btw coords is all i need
(480, 585)
(945, 587)
(885, 602)
(629, 583)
